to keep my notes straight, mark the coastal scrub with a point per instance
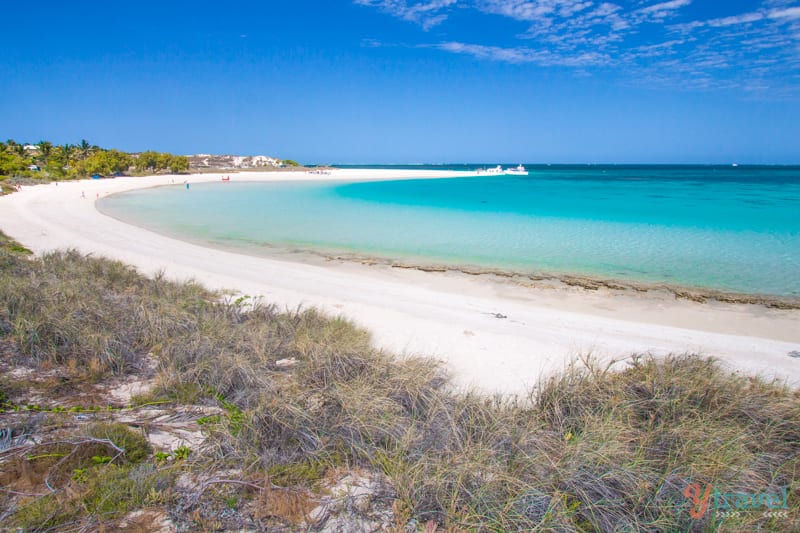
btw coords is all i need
(291, 401)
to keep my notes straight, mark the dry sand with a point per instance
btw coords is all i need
(445, 315)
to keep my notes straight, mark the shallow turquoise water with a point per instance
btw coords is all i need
(726, 228)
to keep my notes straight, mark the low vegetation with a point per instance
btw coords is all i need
(46, 161)
(293, 401)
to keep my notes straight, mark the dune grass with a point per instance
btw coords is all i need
(588, 449)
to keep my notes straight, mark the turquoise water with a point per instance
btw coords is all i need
(729, 228)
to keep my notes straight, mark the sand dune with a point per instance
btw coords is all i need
(493, 334)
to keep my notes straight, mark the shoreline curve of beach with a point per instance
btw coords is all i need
(494, 334)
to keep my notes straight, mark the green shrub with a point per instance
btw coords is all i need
(135, 444)
(119, 490)
(41, 514)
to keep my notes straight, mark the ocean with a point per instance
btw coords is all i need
(715, 227)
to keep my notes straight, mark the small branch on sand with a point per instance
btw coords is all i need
(203, 486)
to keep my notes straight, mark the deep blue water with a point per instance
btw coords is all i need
(729, 228)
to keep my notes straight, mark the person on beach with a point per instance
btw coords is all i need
(83, 194)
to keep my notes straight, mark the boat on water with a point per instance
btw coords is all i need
(517, 171)
(496, 170)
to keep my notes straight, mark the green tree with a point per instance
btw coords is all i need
(103, 163)
(45, 149)
(11, 163)
(71, 151)
(147, 161)
(84, 168)
(179, 164)
(65, 153)
(163, 161)
(84, 148)
(57, 164)
(117, 161)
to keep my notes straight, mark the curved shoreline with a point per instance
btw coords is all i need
(497, 336)
(592, 283)
(700, 288)
(533, 280)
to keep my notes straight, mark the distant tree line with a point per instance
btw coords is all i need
(68, 161)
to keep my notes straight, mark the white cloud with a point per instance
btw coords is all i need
(659, 12)
(525, 55)
(424, 13)
(658, 49)
(789, 13)
(735, 19)
(758, 48)
(665, 6)
(569, 9)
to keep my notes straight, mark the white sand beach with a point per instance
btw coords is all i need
(493, 334)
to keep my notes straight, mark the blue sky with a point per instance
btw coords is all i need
(408, 81)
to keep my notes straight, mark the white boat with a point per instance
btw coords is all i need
(496, 170)
(518, 171)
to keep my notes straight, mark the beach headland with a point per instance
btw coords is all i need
(496, 332)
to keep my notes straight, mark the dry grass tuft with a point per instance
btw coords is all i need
(93, 316)
(589, 449)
